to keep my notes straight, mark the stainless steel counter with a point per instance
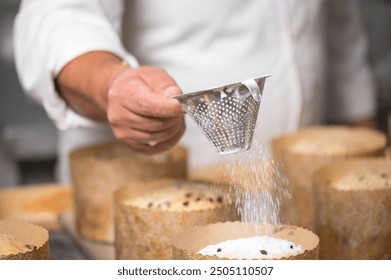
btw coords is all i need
(62, 246)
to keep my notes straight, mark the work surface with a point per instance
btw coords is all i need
(63, 247)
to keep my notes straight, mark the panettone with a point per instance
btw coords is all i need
(23, 241)
(148, 215)
(353, 209)
(238, 240)
(9, 245)
(99, 170)
(302, 153)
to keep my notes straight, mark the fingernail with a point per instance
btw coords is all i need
(171, 91)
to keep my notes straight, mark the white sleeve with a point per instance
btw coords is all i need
(49, 34)
(351, 92)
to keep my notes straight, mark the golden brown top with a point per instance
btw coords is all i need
(332, 141)
(115, 150)
(364, 180)
(180, 197)
(356, 174)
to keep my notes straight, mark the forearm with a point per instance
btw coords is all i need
(84, 83)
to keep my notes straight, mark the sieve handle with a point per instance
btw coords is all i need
(253, 87)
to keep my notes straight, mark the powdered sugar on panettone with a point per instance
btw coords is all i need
(257, 247)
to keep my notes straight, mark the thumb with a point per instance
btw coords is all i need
(171, 91)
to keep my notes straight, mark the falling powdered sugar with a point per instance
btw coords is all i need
(257, 185)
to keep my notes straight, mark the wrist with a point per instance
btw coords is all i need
(110, 68)
(84, 83)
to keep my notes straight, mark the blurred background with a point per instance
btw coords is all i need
(28, 138)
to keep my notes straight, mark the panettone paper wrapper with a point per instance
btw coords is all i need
(188, 243)
(299, 168)
(99, 170)
(27, 234)
(356, 223)
(143, 233)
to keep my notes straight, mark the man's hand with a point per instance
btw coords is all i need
(141, 113)
(135, 101)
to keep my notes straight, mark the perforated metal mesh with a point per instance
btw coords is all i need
(226, 115)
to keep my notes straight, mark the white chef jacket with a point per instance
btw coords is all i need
(305, 45)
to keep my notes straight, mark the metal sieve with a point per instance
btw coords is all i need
(227, 115)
